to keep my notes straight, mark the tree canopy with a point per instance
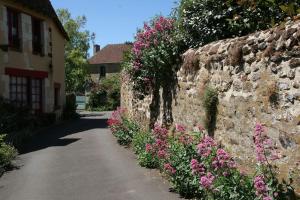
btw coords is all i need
(76, 51)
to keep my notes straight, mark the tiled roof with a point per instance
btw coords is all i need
(112, 53)
(44, 7)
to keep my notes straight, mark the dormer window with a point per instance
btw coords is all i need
(37, 36)
(13, 21)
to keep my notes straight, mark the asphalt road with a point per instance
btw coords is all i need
(81, 160)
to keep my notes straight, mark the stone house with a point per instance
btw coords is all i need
(32, 44)
(107, 61)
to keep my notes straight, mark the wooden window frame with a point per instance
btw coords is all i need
(19, 88)
(32, 88)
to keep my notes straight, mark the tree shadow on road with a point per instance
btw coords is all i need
(54, 136)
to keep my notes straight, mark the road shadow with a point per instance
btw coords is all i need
(54, 136)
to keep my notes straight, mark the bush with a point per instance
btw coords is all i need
(122, 128)
(199, 168)
(139, 141)
(106, 96)
(7, 154)
(148, 160)
(183, 180)
(155, 54)
(203, 21)
(218, 173)
(146, 157)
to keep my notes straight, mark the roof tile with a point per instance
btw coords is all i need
(112, 53)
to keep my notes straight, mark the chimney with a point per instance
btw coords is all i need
(96, 48)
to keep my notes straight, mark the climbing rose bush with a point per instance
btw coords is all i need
(155, 53)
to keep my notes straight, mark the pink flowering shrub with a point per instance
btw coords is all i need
(171, 170)
(266, 184)
(264, 147)
(155, 148)
(121, 127)
(206, 181)
(198, 167)
(217, 172)
(154, 55)
(116, 120)
(180, 152)
(205, 147)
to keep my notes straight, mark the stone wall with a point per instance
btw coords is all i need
(258, 80)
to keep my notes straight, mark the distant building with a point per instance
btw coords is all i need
(107, 60)
(32, 48)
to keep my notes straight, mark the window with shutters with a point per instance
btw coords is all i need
(37, 46)
(13, 22)
(18, 88)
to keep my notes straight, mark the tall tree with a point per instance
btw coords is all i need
(76, 51)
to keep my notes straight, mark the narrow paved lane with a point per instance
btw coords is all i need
(81, 160)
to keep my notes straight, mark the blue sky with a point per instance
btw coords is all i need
(115, 21)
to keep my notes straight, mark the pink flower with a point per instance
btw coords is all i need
(161, 154)
(169, 168)
(160, 144)
(197, 168)
(225, 174)
(260, 185)
(149, 148)
(160, 132)
(207, 180)
(267, 198)
(205, 146)
(180, 128)
(222, 160)
(186, 139)
(263, 145)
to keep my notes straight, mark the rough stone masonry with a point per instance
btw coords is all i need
(258, 80)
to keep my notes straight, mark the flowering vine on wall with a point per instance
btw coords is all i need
(154, 61)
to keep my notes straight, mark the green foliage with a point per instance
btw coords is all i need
(76, 51)
(234, 186)
(7, 154)
(126, 131)
(139, 141)
(148, 160)
(203, 21)
(145, 159)
(210, 104)
(183, 181)
(106, 96)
